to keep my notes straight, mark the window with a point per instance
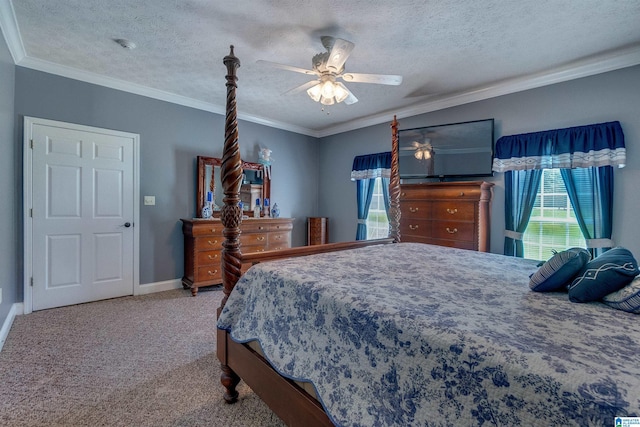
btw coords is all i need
(553, 223)
(377, 221)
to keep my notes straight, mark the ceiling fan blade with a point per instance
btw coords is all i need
(286, 67)
(351, 99)
(381, 79)
(302, 87)
(338, 54)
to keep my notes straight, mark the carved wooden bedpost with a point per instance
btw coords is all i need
(231, 176)
(394, 185)
(230, 214)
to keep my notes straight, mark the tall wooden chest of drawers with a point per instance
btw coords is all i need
(455, 214)
(317, 231)
(203, 246)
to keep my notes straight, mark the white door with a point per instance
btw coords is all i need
(82, 213)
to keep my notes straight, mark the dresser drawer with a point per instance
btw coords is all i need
(453, 230)
(453, 211)
(206, 258)
(208, 243)
(415, 227)
(278, 241)
(209, 228)
(254, 226)
(415, 208)
(417, 192)
(253, 239)
(280, 227)
(208, 273)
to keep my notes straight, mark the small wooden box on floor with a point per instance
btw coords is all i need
(455, 214)
(203, 246)
(317, 231)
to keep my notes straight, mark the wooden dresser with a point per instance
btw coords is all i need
(317, 231)
(203, 246)
(455, 214)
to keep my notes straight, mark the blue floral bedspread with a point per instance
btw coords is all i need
(419, 335)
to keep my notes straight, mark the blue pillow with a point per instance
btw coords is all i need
(627, 298)
(609, 272)
(559, 270)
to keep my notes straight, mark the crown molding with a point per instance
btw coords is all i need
(100, 80)
(10, 31)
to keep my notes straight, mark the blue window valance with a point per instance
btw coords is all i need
(593, 145)
(371, 166)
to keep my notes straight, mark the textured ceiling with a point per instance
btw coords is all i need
(448, 51)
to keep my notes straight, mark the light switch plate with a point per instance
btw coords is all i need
(149, 200)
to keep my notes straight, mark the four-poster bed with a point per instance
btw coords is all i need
(391, 333)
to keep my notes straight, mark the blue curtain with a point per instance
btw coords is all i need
(520, 189)
(591, 193)
(586, 156)
(577, 147)
(365, 170)
(364, 187)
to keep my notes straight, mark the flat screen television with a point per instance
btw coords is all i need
(446, 151)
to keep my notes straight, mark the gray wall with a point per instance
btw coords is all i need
(171, 136)
(10, 193)
(605, 97)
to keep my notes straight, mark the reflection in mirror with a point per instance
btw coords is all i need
(255, 185)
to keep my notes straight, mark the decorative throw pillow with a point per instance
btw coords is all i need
(609, 272)
(559, 270)
(627, 298)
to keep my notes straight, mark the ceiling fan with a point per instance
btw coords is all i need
(328, 67)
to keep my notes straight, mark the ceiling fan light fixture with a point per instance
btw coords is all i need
(328, 89)
(315, 92)
(341, 92)
(327, 101)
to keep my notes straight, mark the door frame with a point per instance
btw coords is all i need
(27, 198)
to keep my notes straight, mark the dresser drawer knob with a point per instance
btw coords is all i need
(412, 209)
(461, 193)
(212, 273)
(450, 231)
(213, 230)
(212, 243)
(403, 194)
(260, 238)
(413, 227)
(212, 256)
(278, 237)
(260, 228)
(452, 211)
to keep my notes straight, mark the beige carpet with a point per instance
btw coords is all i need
(134, 361)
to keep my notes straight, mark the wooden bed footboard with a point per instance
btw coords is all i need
(285, 398)
(257, 257)
(288, 400)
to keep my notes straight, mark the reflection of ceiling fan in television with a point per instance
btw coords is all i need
(328, 67)
(421, 146)
(423, 150)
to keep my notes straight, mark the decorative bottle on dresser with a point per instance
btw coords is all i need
(256, 209)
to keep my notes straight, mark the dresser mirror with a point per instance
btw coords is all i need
(255, 185)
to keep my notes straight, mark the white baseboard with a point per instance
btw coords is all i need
(167, 285)
(16, 309)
